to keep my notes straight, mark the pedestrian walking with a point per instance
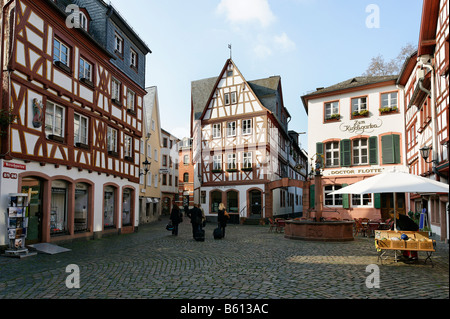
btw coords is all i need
(195, 214)
(222, 218)
(176, 216)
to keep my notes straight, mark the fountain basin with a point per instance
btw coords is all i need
(319, 231)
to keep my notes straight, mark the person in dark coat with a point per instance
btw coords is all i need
(222, 218)
(195, 214)
(405, 223)
(176, 218)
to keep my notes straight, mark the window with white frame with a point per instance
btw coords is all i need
(389, 100)
(332, 154)
(149, 179)
(331, 109)
(131, 100)
(186, 160)
(246, 127)
(217, 162)
(54, 119)
(233, 97)
(80, 125)
(156, 155)
(332, 200)
(362, 200)
(227, 98)
(85, 70)
(359, 104)
(231, 161)
(128, 146)
(133, 59)
(156, 180)
(247, 160)
(360, 152)
(61, 52)
(216, 131)
(231, 129)
(115, 89)
(118, 43)
(111, 140)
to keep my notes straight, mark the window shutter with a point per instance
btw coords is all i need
(377, 200)
(346, 153)
(390, 149)
(387, 149)
(312, 196)
(373, 150)
(319, 150)
(396, 143)
(345, 199)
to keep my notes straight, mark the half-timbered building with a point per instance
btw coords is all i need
(75, 136)
(425, 87)
(241, 145)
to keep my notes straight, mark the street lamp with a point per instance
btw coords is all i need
(146, 164)
(425, 153)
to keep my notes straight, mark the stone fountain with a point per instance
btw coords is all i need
(317, 229)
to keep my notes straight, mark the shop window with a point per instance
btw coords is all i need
(216, 199)
(232, 202)
(109, 207)
(58, 208)
(81, 207)
(126, 207)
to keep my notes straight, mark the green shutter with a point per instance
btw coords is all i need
(373, 150)
(345, 199)
(387, 149)
(346, 153)
(312, 196)
(319, 151)
(396, 143)
(377, 200)
(390, 149)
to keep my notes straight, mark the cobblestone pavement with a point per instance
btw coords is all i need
(250, 263)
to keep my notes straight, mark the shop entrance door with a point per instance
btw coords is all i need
(255, 203)
(34, 230)
(387, 204)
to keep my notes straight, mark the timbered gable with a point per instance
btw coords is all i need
(231, 96)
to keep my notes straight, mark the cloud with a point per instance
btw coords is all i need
(266, 45)
(247, 11)
(284, 42)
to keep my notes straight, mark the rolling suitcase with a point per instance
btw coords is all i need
(200, 235)
(217, 233)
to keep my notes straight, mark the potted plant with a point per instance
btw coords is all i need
(333, 117)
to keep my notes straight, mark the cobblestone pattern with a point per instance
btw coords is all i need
(250, 263)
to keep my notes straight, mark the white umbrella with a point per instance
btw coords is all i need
(394, 182)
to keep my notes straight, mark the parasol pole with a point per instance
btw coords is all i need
(395, 212)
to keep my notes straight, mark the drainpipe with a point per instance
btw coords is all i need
(434, 130)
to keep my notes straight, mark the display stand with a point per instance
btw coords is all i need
(17, 224)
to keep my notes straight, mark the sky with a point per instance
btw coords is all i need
(309, 43)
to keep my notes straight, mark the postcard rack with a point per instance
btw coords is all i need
(17, 224)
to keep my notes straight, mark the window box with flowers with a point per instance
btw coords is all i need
(247, 169)
(216, 171)
(333, 118)
(388, 110)
(360, 114)
(232, 170)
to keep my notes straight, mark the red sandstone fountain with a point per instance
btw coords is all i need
(317, 229)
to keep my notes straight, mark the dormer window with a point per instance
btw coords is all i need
(84, 22)
(118, 44)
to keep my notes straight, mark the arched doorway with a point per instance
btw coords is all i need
(255, 203)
